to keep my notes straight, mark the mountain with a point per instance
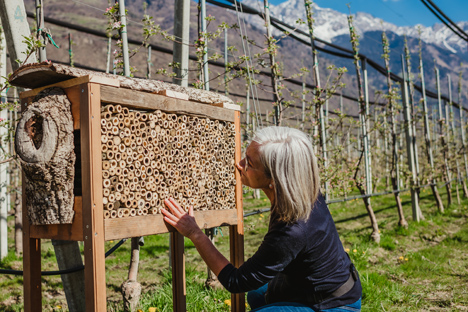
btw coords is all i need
(330, 24)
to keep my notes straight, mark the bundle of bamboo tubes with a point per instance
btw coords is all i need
(150, 156)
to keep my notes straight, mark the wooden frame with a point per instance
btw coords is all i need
(87, 94)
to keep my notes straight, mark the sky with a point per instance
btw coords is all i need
(399, 12)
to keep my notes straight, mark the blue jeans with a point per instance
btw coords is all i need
(256, 300)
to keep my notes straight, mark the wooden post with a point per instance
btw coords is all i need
(93, 216)
(462, 130)
(226, 61)
(148, 63)
(443, 140)
(181, 48)
(363, 115)
(40, 30)
(123, 36)
(32, 287)
(206, 74)
(274, 68)
(4, 176)
(178, 272)
(15, 24)
(409, 145)
(236, 232)
(427, 135)
(451, 125)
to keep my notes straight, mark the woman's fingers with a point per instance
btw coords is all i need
(174, 206)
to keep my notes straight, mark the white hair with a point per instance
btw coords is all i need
(289, 160)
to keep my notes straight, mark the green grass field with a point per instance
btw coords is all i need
(421, 268)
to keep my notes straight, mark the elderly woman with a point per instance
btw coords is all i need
(301, 264)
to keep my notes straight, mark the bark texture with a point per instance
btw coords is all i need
(44, 143)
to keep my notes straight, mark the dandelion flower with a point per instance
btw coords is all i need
(228, 302)
(354, 250)
(347, 249)
(152, 309)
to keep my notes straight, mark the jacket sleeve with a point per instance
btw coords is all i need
(280, 246)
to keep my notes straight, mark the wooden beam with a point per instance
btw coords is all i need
(149, 101)
(119, 228)
(72, 231)
(93, 219)
(236, 232)
(70, 82)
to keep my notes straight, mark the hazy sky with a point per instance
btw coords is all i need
(399, 12)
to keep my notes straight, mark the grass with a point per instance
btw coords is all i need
(419, 268)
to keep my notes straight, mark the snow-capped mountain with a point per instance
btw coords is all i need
(330, 24)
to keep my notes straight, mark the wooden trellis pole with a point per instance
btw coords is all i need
(427, 135)
(462, 130)
(205, 71)
(409, 145)
(443, 140)
(451, 125)
(394, 169)
(318, 106)
(274, 67)
(363, 115)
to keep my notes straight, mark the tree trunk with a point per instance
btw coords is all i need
(131, 289)
(44, 144)
(375, 236)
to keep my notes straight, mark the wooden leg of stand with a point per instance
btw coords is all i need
(178, 272)
(32, 274)
(237, 258)
(31, 265)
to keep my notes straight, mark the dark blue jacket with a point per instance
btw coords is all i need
(302, 261)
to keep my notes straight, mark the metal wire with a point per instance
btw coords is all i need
(66, 271)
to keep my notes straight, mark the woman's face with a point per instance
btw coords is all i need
(251, 169)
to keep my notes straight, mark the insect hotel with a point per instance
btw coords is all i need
(100, 153)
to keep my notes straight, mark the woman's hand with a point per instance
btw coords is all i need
(177, 217)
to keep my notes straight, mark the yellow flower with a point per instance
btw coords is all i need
(406, 259)
(139, 310)
(261, 215)
(58, 307)
(259, 218)
(354, 250)
(152, 309)
(347, 249)
(401, 258)
(228, 302)
(363, 252)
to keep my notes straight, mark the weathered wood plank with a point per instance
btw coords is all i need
(93, 224)
(119, 228)
(149, 101)
(73, 82)
(72, 231)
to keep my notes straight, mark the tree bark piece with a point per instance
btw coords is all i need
(44, 143)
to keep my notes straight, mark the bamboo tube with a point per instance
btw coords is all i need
(120, 213)
(107, 214)
(125, 111)
(133, 212)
